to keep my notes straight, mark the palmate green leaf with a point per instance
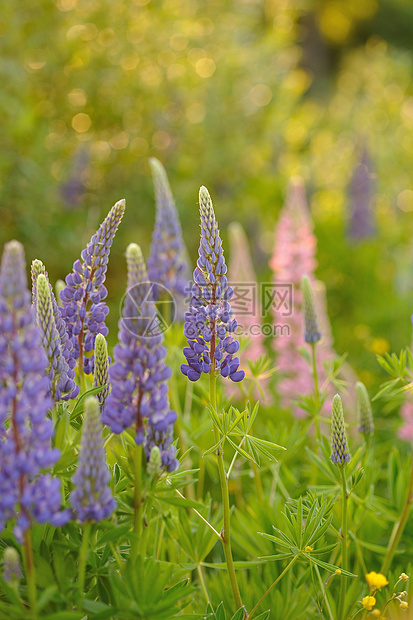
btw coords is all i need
(80, 403)
(276, 557)
(241, 451)
(238, 564)
(264, 616)
(239, 615)
(330, 567)
(214, 448)
(325, 549)
(114, 533)
(282, 540)
(220, 612)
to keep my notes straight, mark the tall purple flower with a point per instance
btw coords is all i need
(25, 429)
(84, 310)
(139, 375)
(208, 323)
(167, 262)
(361, 223)
(62, 384)
(92, 498)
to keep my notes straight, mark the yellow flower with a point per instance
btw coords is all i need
(376, 580)
(368, 602)
(308, 549)
(404, 605)
(376, 613)
(404, 577)
(337, 571)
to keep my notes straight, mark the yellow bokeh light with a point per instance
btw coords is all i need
(260, 95)
(120, 141)
(81, 122)
(77, 97)
(205, 67)
(405, 200)
(100, 150)
(335, 24)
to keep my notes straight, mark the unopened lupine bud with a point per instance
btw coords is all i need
(155, 462)
(69, 389)
(92, 498)
(311, 333)
(101, 368)
(167, 262)
(365, 416)
(340, 454)
(60, 375)
(208, 321)
(12, 571)
(83, 308)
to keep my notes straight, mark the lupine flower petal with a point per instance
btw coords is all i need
(92, 498)
(83, 308)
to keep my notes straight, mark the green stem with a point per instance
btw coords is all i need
(286, 569)
(202, 582)
(258, 483)
(317, 396)
(30, 568)
(324, 591)
(82, 378)
(201, 478)
(343, 544)
(399, 526)
(137, 502)
(226, 530)
(83, 556)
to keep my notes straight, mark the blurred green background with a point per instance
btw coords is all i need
(236, 95)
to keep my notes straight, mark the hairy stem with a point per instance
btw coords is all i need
(83, 556)
(343, 544)
(286, 569)
(30, 569)
(137, 502)
(226, 531)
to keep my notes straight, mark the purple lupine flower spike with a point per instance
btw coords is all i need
(84, 310)
(25, 429)
(340, 454)
(101, 377)
(208, 322)
(167, 262)
(361, 223)
(62, 384)
(92, 498)
(312, 333)
(139, 375)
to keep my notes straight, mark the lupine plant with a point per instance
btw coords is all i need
(129, 489)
